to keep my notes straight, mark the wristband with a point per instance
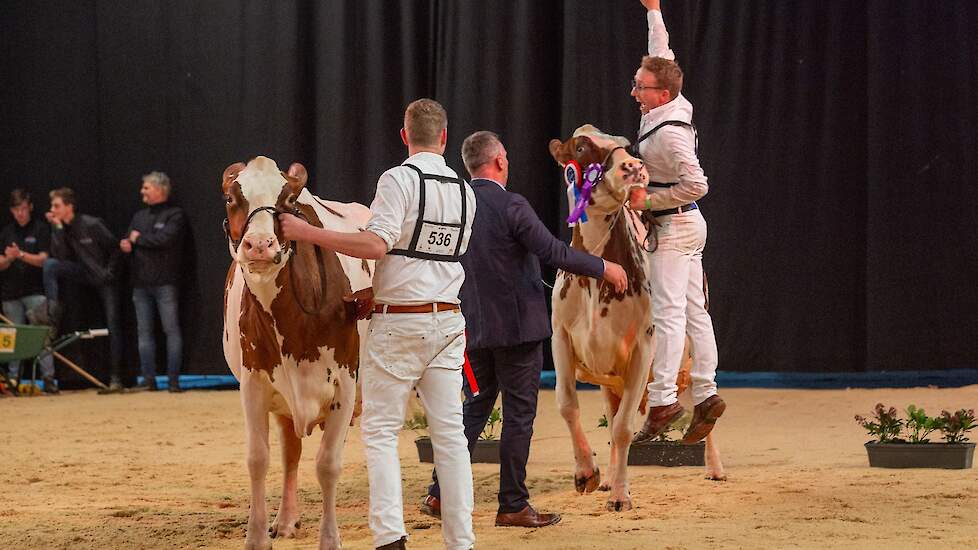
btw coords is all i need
(648, 203)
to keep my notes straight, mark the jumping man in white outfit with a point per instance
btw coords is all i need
(667, 145)
(422, 220)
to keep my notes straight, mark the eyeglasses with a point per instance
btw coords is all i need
(639, 87)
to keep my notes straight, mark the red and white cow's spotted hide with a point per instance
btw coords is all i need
(601, 336)
(300, 367)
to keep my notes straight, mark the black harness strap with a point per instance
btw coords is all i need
(421, 191)
(412, 251)
(633, 148)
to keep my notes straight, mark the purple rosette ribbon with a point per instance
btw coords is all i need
(582, 193)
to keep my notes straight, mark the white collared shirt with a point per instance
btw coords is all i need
(670, 153)
(401, 280)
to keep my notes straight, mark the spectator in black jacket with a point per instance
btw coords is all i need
(25, 244)
(83, 250)
(155, 241)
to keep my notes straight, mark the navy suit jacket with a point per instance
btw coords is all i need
(503, 297)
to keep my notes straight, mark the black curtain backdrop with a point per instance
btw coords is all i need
(839, 139)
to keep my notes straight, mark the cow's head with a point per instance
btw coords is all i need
(622, 171)
(254, 195)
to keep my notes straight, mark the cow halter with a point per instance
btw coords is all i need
(287, 247)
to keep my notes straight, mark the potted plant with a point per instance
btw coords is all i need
(486, 448)
(418, 423)
(905, 443)
(664, 450)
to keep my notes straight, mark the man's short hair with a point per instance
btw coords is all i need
(667, 73)
(18, 197)
(480, 148)
(160, 180)
(424, 120)
(66, 195)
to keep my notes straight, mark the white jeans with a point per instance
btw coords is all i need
(679, 308)
(404, 352)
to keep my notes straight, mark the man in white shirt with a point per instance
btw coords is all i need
(422, 220)
(667, 145)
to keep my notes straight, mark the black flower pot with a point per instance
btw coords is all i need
(486, 451)
(425, 452)
(666, 453)
(957, 456)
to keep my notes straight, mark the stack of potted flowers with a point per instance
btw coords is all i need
(905, 442)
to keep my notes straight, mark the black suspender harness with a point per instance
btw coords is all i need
(633, 148)
(435, 240)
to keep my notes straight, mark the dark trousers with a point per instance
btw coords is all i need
(56, 270)
(514, 371)
(147, 301)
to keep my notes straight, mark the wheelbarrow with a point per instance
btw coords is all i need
(18, 342)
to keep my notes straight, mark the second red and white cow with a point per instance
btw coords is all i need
(601, 336)
(290, 338)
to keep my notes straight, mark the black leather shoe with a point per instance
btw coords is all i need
(399, 544)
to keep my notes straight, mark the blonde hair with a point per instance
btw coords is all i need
(425, 120)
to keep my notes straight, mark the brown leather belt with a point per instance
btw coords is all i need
(420, 308)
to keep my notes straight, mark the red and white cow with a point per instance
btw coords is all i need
(290, 336)
(601, 336)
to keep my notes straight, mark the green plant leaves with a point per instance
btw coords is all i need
(886, 427)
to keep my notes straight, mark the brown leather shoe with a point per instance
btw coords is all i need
(399, 544)
(431, 506)
(704, 417)
(658, 421)
(527, 517)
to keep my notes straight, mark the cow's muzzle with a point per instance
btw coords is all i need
(257, 246)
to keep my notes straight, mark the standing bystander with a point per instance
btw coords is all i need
(155, 241)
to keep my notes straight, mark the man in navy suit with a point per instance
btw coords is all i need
(507, 321)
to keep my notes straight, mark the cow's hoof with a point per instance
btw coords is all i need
(716, 476)
(587, 483)
(263, 543)
(282, 529)
(605, 486)
(620, 505)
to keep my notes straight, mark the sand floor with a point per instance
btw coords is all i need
(168, 471)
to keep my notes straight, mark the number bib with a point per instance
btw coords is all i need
(436, 238)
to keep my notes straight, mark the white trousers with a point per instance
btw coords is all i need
(424, 352)
(679, 308)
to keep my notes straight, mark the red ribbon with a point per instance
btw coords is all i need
(469, 373)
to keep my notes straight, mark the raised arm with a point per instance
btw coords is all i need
(658, 36)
